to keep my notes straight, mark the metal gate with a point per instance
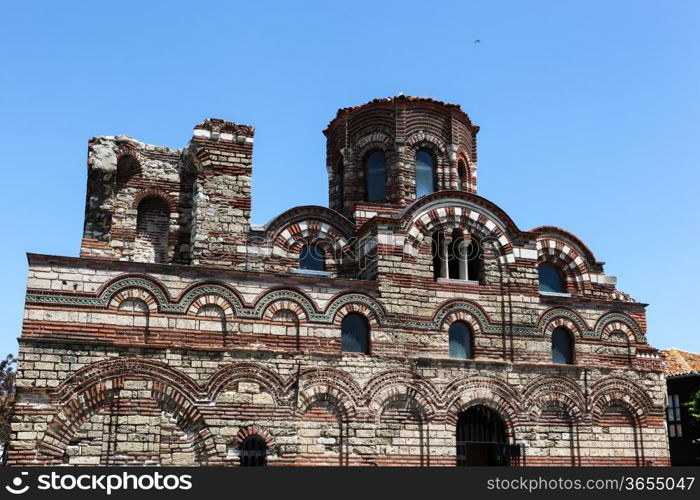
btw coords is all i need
(481, 439)
(253, 452)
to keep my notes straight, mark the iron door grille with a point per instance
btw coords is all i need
(253, 452)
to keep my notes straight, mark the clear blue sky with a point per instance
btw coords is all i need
(589, 113)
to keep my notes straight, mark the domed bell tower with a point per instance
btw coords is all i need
(385, 154)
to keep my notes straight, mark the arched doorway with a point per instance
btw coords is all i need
(253, 452)
(481, 438)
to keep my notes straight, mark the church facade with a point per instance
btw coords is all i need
(410, 323)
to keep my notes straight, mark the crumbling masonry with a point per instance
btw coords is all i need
(184, 334)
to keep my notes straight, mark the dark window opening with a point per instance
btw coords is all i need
(460, 338)
(425, 173)
(253, 452)
(562, 347)
(354, 334)
(312, 258)
(341, 186)
(481, 439)
(550, 278)
(375, 176)
(673, 416)
(436, 250)
(461, 175)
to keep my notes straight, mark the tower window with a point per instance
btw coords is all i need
(375, 176)
(341, 186)
(562, 347)
(550, 278)
(152, 221)
(460, 338)
(461, 175)
(354, 332)
(312, 258)
(425, 173)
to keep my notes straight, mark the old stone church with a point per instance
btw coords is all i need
(410, 323)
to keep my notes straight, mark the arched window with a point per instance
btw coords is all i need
(253, 452)
(354, 333)
(562, 347)
(460, 337)
(425, 173)
(456, 257)
(152, 224)
(341, 186)
(550, 278)
(375, 176)
(461, 175)
(312, 258)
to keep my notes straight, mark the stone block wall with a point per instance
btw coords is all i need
(181, 377)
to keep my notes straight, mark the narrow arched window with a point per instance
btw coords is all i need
(461, 175)
(354, 333)
(550, 278)
(425, 173)
(253, 452)
(152, 224)
(312, 258)
(341, 186)
(375, 176)
(562, 347)
(460, 338)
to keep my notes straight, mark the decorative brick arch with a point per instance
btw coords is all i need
(565, 258)
(199, 294)
(290, 240)
(428, 141)
(134, 293)
(562, 317)
(329, 383)
(614, 387)
(253, 430)
(461, 310)
(88, 390)
(400, 383)
(343, 304)
(615, 321)
(285, 305)
(447, 217)
(553, 389)
(150, 285)
(343, 407)
(269, 380)
(211, 301)
(492, 392)
(375, 140)
(303, 304)
(155, 193)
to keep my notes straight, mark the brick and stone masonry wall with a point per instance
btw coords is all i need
(183, 329)
(164, 367)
